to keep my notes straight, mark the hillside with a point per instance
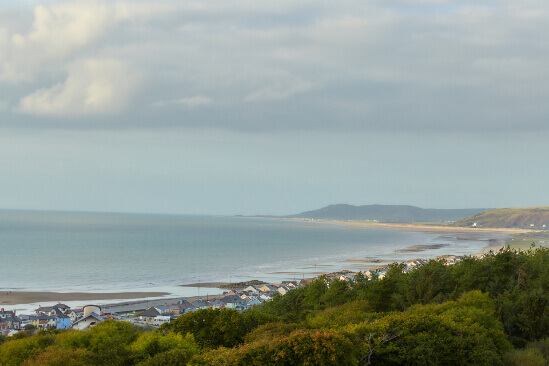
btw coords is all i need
(387, 213)
(523, 217)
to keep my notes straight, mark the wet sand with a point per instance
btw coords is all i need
(28, 297)
(421, 248)
(464, 233)
(366, 260)
(206, 284)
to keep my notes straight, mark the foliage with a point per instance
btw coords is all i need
(341, 316)
(518, 282)
(16, 351)
(30, 327)
(218, 327)
(536, 353)
(59, 357)
(108, 343)
(459, 332)
(150, 346)
(299, 348)
(525, 357)
(270, 331)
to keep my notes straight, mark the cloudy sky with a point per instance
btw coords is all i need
(273, 107)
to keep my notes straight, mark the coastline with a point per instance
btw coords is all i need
(434, 229)
(494, 239)
(8, 297)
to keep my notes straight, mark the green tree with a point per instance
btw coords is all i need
(465, 332)
(110, 341)
(211, 327)
(299, 348)
(338, 292)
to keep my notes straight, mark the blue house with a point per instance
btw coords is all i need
(63, 321)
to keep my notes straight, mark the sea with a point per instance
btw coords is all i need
(118, 252)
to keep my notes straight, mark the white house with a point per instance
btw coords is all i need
(161, 319)
(91, 317)
(148, 316)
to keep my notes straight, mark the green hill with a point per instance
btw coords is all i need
(522, 217)
(387, 213)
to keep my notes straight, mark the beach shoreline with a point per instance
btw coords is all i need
(10, 298)
(426, 228)
(495, 239)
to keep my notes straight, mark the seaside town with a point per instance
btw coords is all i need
(154, 313)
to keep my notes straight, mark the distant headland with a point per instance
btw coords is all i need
(386, 213)
(530, 218)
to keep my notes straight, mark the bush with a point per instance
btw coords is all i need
(525, 357)
(299, 348)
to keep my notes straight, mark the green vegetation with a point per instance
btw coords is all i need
(489, 311)
(387, 213)
(525, 240)
(527, 218)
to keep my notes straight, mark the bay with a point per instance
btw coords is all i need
(110, 252)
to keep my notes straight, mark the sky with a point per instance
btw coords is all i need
(273, 107)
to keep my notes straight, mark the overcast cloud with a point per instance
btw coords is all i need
(113, 84)
(245, 65)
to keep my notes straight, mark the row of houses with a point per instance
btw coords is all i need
(61, 316)
(239, 300)
(58, 316)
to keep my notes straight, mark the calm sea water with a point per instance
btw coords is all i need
(52, 251)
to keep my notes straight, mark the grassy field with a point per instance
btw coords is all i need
(535, 218)
(524, 241)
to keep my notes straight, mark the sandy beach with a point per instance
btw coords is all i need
(495, 238)
(27, 297)
(205, 284)
(435, 229)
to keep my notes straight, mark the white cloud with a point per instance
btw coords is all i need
(61, 32)
(92, 87)
(61, 28)
(64, 27)
(189, 102)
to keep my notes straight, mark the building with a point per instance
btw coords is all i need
(253, 289)
(232, 301)
(4, 329)
(201, 304)
(290, 284)
(268, 288)
(92, 316)
(252, 301)
(42, 321)
(9, 317)
(163, 309)
(182, 308)
(148, 316)
(58, 308)
(63, 321)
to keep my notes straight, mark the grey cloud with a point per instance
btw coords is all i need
(405, 65)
